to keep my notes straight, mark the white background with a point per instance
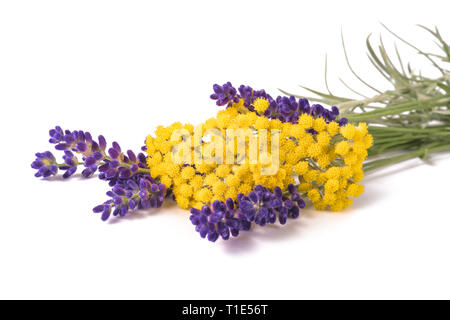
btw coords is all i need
(120, 68)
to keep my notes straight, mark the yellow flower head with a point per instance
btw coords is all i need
(323, 159)
(261, 105)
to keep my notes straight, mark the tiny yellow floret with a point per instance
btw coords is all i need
(261, 105)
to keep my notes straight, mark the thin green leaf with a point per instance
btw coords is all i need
(350, 67)
(351, 89)
(383, 73)
(444, 87)
(414, 47)
(324, 95)
(400, 60)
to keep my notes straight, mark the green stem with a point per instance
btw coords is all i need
(389, 130)
(400, 108)
(65, 165)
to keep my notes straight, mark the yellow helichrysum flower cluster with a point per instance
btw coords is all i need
(323, 159)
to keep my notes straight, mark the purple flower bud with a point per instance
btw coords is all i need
(216, 217)
(235, 232)
(114, 164)
(102, 142)
(153, 202)
(116, 211)
(291, 188)
(36, 164)
(106, 213)
(206, 210)
(278, 192)
(132, 184)
(113, 153)
(88, 137)
(81, 146)
(89, 161)
(117, 200)
(118, 190)
(103, 167)
(253, 197)
(125, 173)
(80, 136)
(301, 203)
(69, 172)
(246, 206)
(144, 185)
(94, 146)
(69, 139)
(335, 110)
(203, 230)
(288, 204)
(97, 156)
(343, 122)
(123, 210)
(116, 146)
(294, 212)
(230, 204)
(213, 236)
(219, 206)
(194, 220)
(110, 173)
(275, 203)
(131, 156)
(61, 146)
(282, 219)
(98, 208)
(132, 204)
(203, 218)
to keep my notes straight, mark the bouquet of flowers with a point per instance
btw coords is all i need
(261, 159)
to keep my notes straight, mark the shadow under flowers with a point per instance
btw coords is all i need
(247, 241)
(259, 236)
(75, 176)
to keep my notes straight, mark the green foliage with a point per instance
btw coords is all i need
(410, 120)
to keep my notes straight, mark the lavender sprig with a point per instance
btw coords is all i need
(285, 109)
(224, 219)
(264, 207)
(113, 164)
(138, 192)
(221, 219)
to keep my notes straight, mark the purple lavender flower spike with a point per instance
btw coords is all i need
(222, 219)
(138, 192)
(262, 206)
(112, 165)
(285, 109)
